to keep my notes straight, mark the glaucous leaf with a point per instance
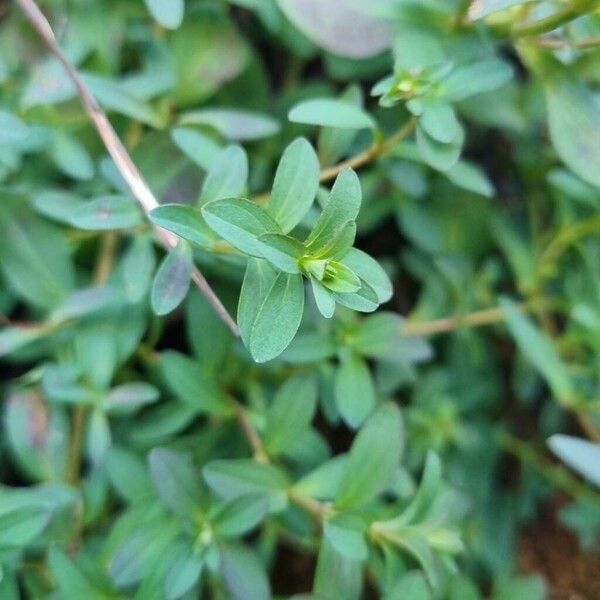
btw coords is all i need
(295, 185)
(328, 112)
(227, 175)
(354, 390)
(169, 13)
(106, 213)
(371, 464)
(172, 280)
(343, 27)
(184, 221)
(234, 123)
(581, 455)
(243, 573)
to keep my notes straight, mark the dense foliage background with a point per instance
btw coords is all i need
(148, 452)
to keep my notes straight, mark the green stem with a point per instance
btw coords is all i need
(572, 10)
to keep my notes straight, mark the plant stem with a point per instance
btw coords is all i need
(478, 318)
(136, 183)
(591, 42)
(377, 149)
(572, 10)
(249, 431)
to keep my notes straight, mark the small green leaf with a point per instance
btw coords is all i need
(346, 533)
(172, 280)
(184, 573)
(169, 13)
(239, 516)
(470, 177)
(192, 385)
(323, 297)
(337, 576)
(354, 390)
(233, 123)
(243, 573)
(440, 122)
(107, 212)
(371, 463)
(227, 175)
(71, 157)
(339, 278)
(197, 146)
(282, 251)
(71, 581)
(268, 298)
(538, 349)
(475, 78)
(240, 222)
(363, 300)
(128, 397)
(296, 184)
(369, 271)
(581, 455)
(343, 206)
(574, 121)
(411, 585)
(328, 112)
(184, 221)
(231, 479)
(292, 410)
(437, 155)
(137, 268)
(176, 481)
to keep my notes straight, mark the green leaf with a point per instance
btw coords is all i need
(128, 397)
(169, 13)
(437, 155)
(521, 588)
(371, 463)
(484, 8)
(184, 221)
(343, 206)
(231, 479)
(71, 581)
(574, 121)
(176, 481)
(363, 300)
(12, 129)
(172, 280)
(282, 251)
(296, 184)
(113, 95)
(233, 123)
(581, 455)
(128, 474)
(184, 574)
(410, 585)
(243, 573)
(369, 270)
(71, 157)
(20, 526)
(107, 212)
(227, 175)
(339, 278)
(13, 338)
(328, 112)
(540, 352)
(292, 410)
(310, 347)
(35, 259)
(266, 299)
(354, 390)
(198, 147)
(380, 336)
(475, 78)
(346, 533)
(192, 385)
(239, 516)
(440, 122)
(323, 297)
(137, 268)
(327, 23)
(337, 576)
(240, 222)
(471, 178)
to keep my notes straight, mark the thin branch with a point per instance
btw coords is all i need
(488, 316)
(136, 183)
(370, 154)
(373, 152)
(574, 9)
(557, 43)
(249, 432)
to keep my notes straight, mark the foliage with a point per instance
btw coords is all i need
(328, 166)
